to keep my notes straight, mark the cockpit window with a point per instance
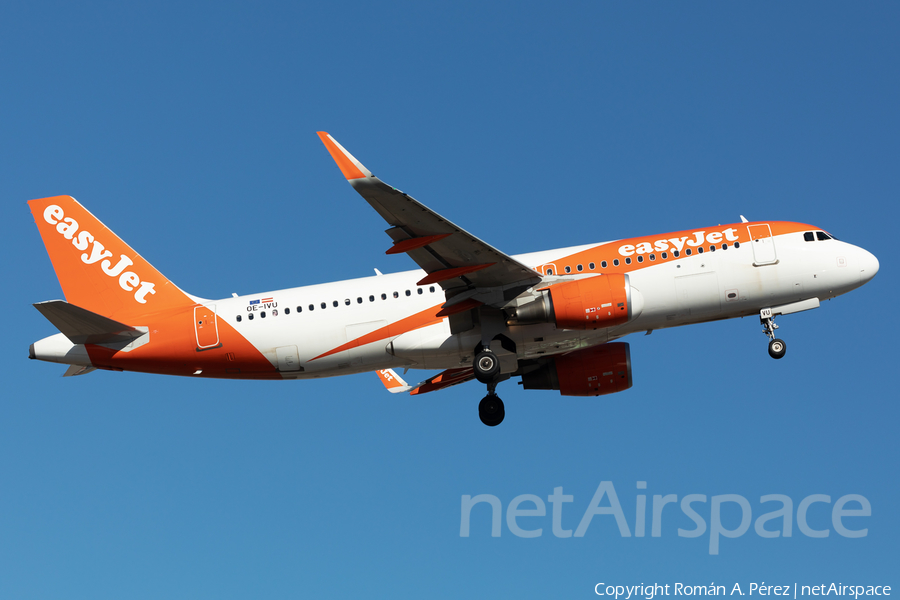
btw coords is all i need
(822, 236)
(809, 236)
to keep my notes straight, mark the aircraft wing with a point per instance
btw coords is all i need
(395, 384)
(443, 380)
(467, 268)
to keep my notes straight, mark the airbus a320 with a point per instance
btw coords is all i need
(552, 318)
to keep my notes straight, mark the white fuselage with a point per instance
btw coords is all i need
(693, 289)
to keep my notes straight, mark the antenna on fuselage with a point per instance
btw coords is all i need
(744, 219)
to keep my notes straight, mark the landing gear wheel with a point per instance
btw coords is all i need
(486, 366)
(491, 411)
(777, 348)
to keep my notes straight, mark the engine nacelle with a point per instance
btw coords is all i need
(593, 371)
(587, 303)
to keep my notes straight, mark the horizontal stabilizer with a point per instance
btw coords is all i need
(84, 327)
(74, 370)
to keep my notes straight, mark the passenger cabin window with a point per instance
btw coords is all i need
(384, 296)
(431, 289)
(652, 257)
(549, 271)
(628, 261)
(640, 258)
(591, 266)
(700, 250)
(809, 236)
(396, 294)
(287, 311)
(580, 268)
(420, 291)
(616, 262)
(688, 251)
(359, 300)
(312, 307)
(603, 264)
(675, 253)
(334, 303)
(737, 244)
(323, 305)
(665, 255)
(568, 269)
(371, 298)
(262, 314)
(250, 317)
(408, 293)
(299, 309)
(239, 318)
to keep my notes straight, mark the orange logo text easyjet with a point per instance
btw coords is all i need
(128, 280)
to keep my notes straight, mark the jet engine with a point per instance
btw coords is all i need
(587, 303)
(594, 371)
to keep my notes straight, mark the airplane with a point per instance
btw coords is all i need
(552, 317)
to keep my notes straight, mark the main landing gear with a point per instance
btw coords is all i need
(490, 409)
(777, 347)
(487, 371)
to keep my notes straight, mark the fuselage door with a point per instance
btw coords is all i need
(205, 327)
(763, 244)
(698, 295)
(288, 359)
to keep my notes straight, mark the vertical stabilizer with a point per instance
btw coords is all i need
(96, 269)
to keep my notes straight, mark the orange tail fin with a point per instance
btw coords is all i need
(96, 269)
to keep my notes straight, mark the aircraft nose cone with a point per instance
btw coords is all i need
(868, 266)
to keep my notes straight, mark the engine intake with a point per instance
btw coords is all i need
(593, 371)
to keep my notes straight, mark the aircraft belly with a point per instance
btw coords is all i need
(432, 347)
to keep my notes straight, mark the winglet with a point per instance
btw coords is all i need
(349, 166)
(393, 382)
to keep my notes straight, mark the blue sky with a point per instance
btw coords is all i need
(190, 131)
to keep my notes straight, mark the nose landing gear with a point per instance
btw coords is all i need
(777, 347)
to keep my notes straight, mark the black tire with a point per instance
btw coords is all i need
(491, 410)
(486, 366)
(777, 348)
